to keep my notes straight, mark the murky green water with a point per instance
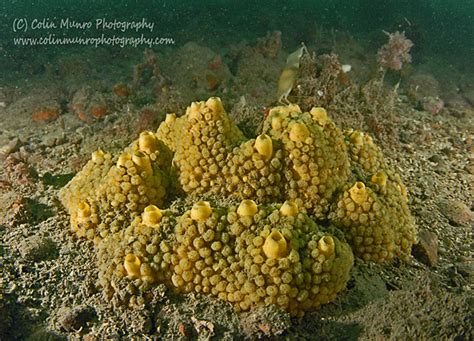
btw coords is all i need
(435, 26)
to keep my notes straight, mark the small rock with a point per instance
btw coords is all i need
(422, 85)
(441, 167)
(37, 248)
(457, 212)
(83, 131)
(426, 251)
(110, 118)
(54, 139)
(9, 148)
(20, 211)
(448, 151)
(268, 321)
(203, 328)
(434, 158)
(469, 168)
(458, 112)
(77, 318)
(466, 268)
(431, 104)
(75, 138)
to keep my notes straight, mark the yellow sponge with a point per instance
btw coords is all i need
(244, 226)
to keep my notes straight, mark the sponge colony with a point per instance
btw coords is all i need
(257, 252)
(235, 257)
(374, 213)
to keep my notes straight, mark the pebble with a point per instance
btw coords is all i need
(54, 139)
(20, 211)
(426, 251)
(37, 248)
(83, 131)
(9, 148)
(466, 268)
(110, 118)
(469, 168)
(457, 212)
(441, 167)
(458, 113)
(267, 321)
(75, 138)
(78, 318)
(203, 327)
(435, 158)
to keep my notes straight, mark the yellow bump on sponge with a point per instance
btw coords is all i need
(83, 212)
(170, 118)
(247, 208)
(98, 156)
(326, 246)
(201, 210)
(357, 138)
(193, 111)
(264, 146)
(289, 208)
(358, 193)
(147, 142)
(277, 122)
(275, 245)
(123, 158)
(151, 216)
(379, 178)
(143, 161)
(299, 132)
(215, 104)
(320, 115)
(285, 110)
(132, 265)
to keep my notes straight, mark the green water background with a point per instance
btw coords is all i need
(442, 28)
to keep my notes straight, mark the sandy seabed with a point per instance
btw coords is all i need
(48, 276)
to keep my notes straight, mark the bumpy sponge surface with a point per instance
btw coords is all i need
(200, 208)
(227, 254)
(374, 212)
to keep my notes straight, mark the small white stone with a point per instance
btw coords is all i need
(346, 68)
